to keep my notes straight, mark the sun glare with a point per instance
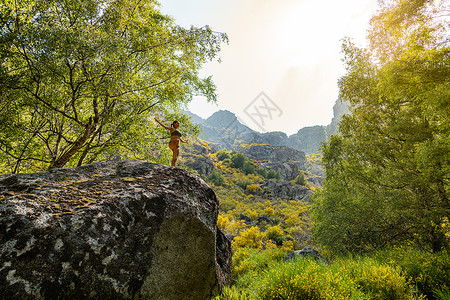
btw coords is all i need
(309, 32)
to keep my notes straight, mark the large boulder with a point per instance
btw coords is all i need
(115, 230)
(306, 252)
(287, 161)
(274, 189)
(203, 165)
(275, 154)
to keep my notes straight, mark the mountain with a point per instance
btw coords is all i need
(224, 129)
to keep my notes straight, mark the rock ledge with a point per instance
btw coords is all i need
(115, 230)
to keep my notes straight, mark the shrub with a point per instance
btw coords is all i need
(235, 227)
(253, 188)
(251, 237)
(345, 279)
(303, 280)
(262, 172)
(273, 175)
(227, 162)
(216, 178)
(287, 246)
(428, 271)
(248, 168)
(269, 211)
(222, 222)
(300, 179)
(243, 183)
(274, 232)
(377, 280)
(231, 293)
(223, 154)
(238, 159)
(248, 262)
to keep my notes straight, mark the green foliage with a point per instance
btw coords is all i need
(238, 159)
(253, 188)
(216, 178)
(442, 294)
(249, 168)
(272, 174)
(262, 172)
(387, 174)
(300, 179)
(231, 293)
(377, 280)
(248, 262)
(223, 154)
(243, 183)
(80, 81)
(304, 279)
(264, 275)
(428, 272)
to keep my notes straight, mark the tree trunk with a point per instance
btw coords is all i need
(63, 159)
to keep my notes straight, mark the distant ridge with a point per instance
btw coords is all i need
(224, 129)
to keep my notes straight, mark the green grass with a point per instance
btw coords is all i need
(391, 275)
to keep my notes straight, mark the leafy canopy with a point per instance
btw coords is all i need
(81, 80)
(387, 175)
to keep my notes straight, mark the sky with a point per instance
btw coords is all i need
(280, 69)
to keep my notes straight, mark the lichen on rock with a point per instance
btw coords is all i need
(117, 230)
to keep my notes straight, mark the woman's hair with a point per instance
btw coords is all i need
(174, 123)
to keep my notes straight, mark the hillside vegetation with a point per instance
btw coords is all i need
(382, 214)
(265, 229)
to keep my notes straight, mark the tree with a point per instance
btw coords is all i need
(248, 167)
(300, 179)
(387, 176)
(272, 174)
(80, 80)
(238, 159)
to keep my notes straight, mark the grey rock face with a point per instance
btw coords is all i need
(199, 163)
(224, 128)
(287, 161)
(285, 189)
(116, 230)
(306, 252)
(272, 153)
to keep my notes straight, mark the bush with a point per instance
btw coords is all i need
(300, 179)
(377, 280)
(238, 159)
(253, 188)
(222, 222)
(216, 178)
(248, 262)
(262, 172)
(251, 237)
(243, 183)
(248, 168)
(223, 154)
(227, 162)
(303, 280)
(264, 275)
(430, 272)
(274, 232)
(231, 293)
(273, 175)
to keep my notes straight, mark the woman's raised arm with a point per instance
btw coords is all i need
(168, 128)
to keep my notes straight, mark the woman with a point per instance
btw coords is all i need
(175, 139)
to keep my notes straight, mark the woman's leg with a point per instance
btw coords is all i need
(173, 145)
(174, 157)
